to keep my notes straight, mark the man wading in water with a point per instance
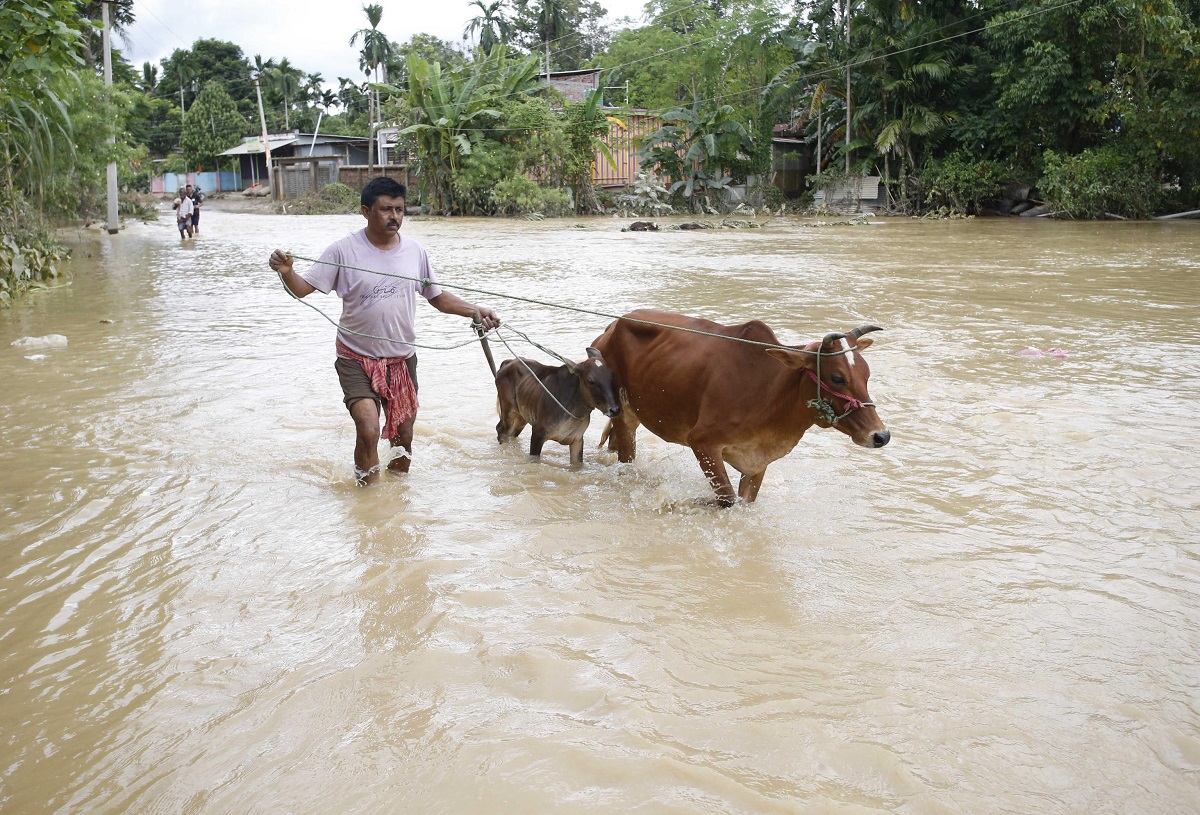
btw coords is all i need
(378, 372)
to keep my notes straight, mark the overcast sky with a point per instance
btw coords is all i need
(313, 34)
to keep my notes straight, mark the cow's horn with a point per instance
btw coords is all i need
(831, 337)
(864, 329)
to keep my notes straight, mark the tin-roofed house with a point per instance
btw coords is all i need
(303, 162)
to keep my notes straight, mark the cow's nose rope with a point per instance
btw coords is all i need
(823, 406)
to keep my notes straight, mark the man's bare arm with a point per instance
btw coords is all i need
(281, 262)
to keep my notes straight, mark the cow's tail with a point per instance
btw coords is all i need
(607, 432)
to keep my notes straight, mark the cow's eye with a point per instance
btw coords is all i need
(838, 379)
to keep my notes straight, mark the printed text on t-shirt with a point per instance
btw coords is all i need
(379, 292)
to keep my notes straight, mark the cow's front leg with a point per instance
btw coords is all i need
(748, 486)
(576, 448)
(622, 434)
(537, 437)
(713, 466)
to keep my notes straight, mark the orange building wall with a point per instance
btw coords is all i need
(624, 145)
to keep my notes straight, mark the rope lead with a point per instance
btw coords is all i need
(425, 281)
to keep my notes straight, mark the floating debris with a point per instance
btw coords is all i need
(48, 341)
(1053, 353)
(861, 220)
(642, 226)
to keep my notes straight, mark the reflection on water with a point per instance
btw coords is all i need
(996, 613)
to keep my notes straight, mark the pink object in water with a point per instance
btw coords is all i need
(1053, 353)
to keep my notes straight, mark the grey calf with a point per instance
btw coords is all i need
(579, 387)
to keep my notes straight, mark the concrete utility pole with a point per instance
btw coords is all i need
(262, 117)
(113, 223)
(848, 3)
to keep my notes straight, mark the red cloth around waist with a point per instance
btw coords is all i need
(390, 379)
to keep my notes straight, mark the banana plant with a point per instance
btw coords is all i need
(693, 148)
(450, 110)
(587, 125)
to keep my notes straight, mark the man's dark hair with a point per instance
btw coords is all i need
(381, 186)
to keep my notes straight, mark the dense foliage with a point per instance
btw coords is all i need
(1091, 107)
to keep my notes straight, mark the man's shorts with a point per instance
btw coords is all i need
(184, 223)
(357, 385)
(196, 217)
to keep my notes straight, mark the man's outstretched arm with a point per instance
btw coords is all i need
(448, 303)
(281, 262)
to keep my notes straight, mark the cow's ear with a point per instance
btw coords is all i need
(594, 353)
(864, 343)
(792, 359)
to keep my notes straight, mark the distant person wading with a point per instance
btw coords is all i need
(185, 207)
(378, 373)
(197, 201)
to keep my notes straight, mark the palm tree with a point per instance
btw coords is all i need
(493, 26)
(350, 96)
(550, 24)
(313, 84)
(286, 79)
(149, 77)
(376, 50)
(186, 73)
(262, 67)
(120, 18)
(915, 84)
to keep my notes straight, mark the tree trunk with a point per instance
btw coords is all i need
(586, 200)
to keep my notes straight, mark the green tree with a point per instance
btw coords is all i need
(693, 148)
(912, 84)
(491, 24)
(586, 126)
(149, 78)
(449, 113)
(41, 45)
(569, 33)
(376, 50)
(286, 79)
(213, 124)
(120, 18)
(429, 48)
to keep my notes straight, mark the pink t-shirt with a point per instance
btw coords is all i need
(383, 307)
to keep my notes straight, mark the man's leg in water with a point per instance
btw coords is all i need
(365, 413)
(403, 440)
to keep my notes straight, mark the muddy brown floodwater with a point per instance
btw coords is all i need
(997, 613)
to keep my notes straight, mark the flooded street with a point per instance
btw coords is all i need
(999, 612)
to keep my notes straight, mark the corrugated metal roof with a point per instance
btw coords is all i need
(255, 145)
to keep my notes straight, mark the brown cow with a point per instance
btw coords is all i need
(734, 402)
(578, 387)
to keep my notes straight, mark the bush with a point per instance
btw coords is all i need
(1099, 182)
(340, 196)
(960, 184)
(773, 198)
(645, 196)
(331, 199)
(485, 167)
(29, 253)
(521, 196)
